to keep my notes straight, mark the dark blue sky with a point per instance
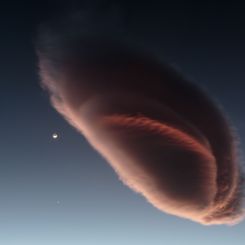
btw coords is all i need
(61, 191)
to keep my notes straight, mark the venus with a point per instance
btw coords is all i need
(55, 136)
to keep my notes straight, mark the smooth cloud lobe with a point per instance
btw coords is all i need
(161, 134)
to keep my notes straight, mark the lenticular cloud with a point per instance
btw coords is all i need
(163, 136)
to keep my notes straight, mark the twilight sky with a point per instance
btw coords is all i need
(61, 191)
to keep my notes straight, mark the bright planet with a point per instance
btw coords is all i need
(55, 136)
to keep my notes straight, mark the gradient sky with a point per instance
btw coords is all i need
(61, 191)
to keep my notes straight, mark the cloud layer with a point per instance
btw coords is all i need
(164, 137)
